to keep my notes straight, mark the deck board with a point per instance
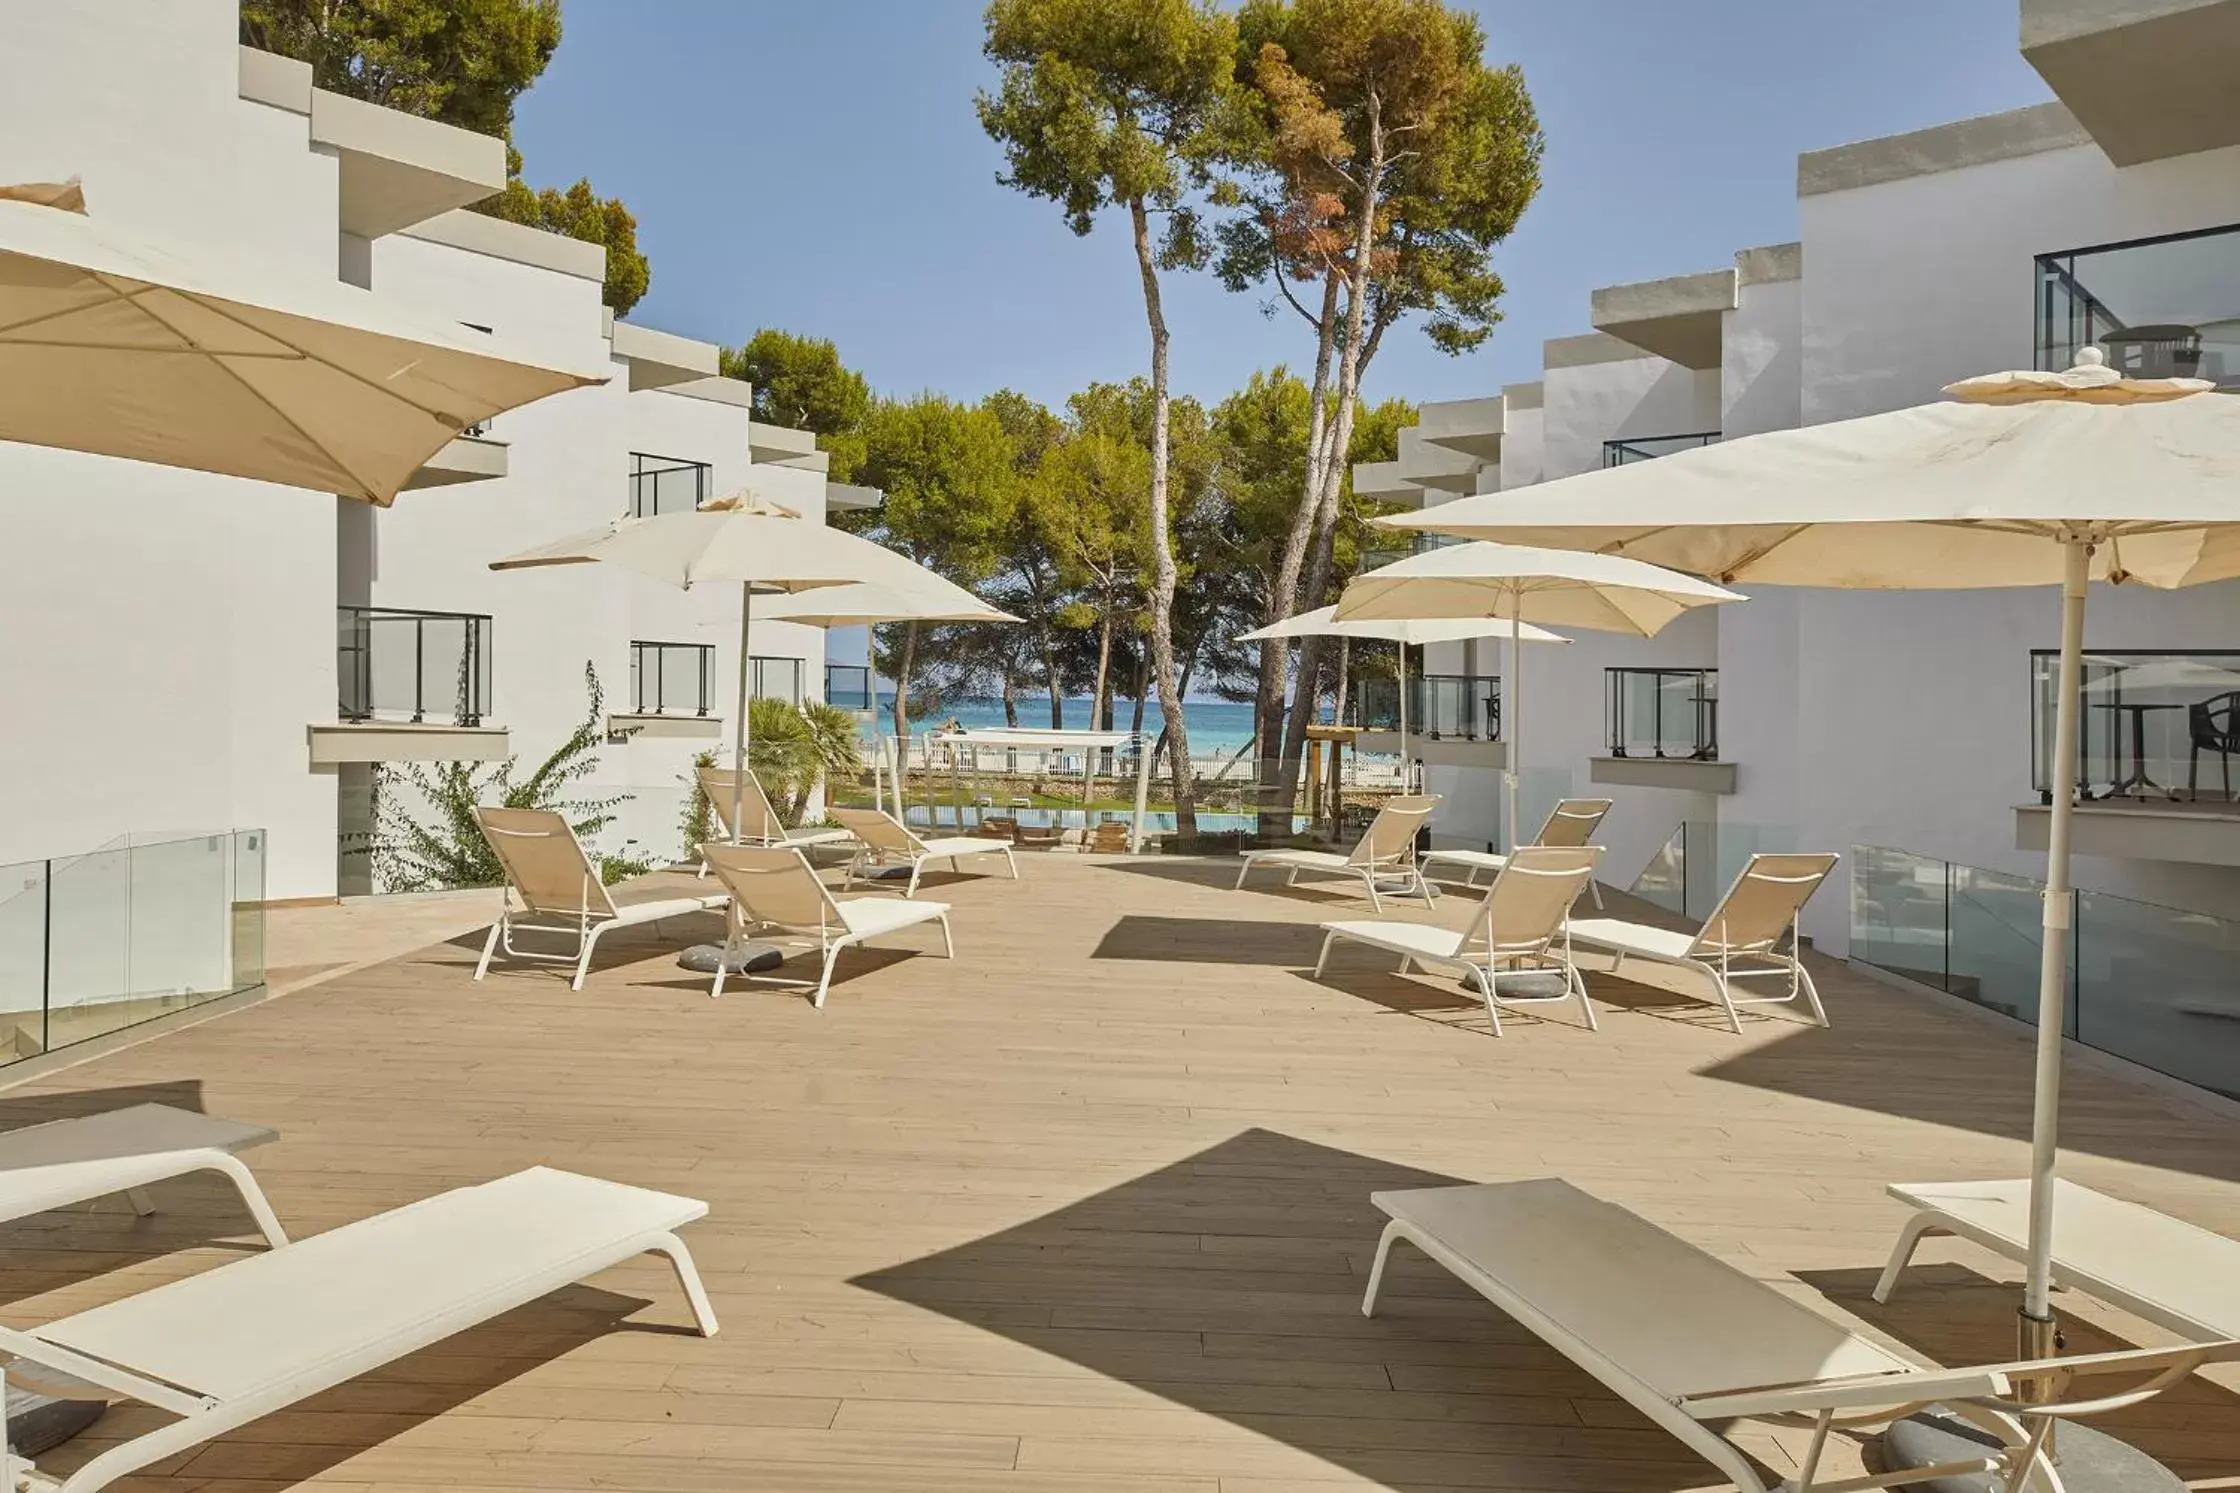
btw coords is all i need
(1085, 1210)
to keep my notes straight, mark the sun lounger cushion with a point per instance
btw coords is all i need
(1632, 938)
(1421, 940)
(868, 917)
(2165, 1269)
(328, 1307)
(73, 1161)
(964, 845)
(666, 894)
(1320, 860)
(1481, 860)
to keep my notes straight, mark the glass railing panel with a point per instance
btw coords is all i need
(1899, 915)
(1621, 453)
(248, 850)
(413, 666)
(2151, 725)
(1662, 713)
(1664, 881)
(672, 678)
(848, 686)
(2161, 988)
(2165, 307)
(1996, 935)
(23, 959)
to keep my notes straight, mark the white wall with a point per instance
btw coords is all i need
(1635, 397)
(174, 631)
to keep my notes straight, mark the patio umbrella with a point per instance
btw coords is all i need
(764, 547)
(1323, 622)
(864, 605)
(115, 345)
(1563, 587)
(2021, 479)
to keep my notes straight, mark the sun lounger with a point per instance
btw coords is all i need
(2154, 1266)
(561, 894)
(882, 840)
(763, 826)
(1518, 929)
(775, 887)
(1387, 851)
(1572, 821)
(1745, 929)
(238, 1343)
(1691, 1342)
(49, 1166)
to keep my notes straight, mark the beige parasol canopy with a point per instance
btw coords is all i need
(121, 347)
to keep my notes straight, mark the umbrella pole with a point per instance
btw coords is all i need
(1512, 735)
(1407, 779)
(739, 737)
(2037, 1326)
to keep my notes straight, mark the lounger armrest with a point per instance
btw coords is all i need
(1855, 1392)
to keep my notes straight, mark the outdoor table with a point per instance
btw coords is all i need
(2138, 778)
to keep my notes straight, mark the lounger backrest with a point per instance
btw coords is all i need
(1573, 821)
(1391, 839)
(879, 830)
(772, 884)
(755, 812)
(1762, 903)
(545, 863)
(1530, 899)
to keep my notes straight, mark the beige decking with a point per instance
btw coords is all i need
(1084, 1211)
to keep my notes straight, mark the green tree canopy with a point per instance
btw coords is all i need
(801, 382)
(461, 61)
(579, 213)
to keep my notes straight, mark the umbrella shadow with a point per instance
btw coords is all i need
(1208, 941)
(1229, 1283)
(1957, 1317)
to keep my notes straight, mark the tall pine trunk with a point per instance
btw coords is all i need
(1162, 543)
(902, 672)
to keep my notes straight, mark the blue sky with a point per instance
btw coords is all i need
(817, 166)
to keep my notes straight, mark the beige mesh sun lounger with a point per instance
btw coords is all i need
(1572, 821)
(1519, 928)
(1387, 851)
(1693, 1343)
(62, 1162)
(884, 841)
(763, 826)
(560, 893)
(241, 1342)
(2156, 1267)
(775, 887)
(1746, 930)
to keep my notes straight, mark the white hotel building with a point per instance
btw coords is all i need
(197, 655)
(1898, 728)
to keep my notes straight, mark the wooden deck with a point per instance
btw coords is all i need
(1084, 1211)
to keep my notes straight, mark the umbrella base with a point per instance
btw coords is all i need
(746, 959)
(2089, 1461)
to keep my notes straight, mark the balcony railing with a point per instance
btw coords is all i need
(1422, 544)
(1662, 713)
(1441, 707)
(1650, 447)
(776, 679)
(848, 686)
(2163, 307)
(667, 484)
(672, 678)
(2155, 985)
(2149, 725)
(395, 665)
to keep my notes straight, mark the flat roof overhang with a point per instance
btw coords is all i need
(1681, 318)
(2148, 79)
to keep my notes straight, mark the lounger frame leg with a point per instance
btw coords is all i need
(1393, 1232)
(1919, 1227)
(137, 1199)
(1241, 872)
(1324, 957)
(490, 946)
(948, 941)
(688, 1280)
(824, 979)
(583, 960)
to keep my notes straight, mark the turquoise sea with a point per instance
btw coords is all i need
(1216, 726)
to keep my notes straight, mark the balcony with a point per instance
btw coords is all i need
(413, 687)
(1663, 731)
(776, 678)
(2157, 735)
(1650, 447)
(667, 484)
(2166, 307)
(672, 691)
(1454, 720)
(848, 686)
(1421, 544)
(473, 457)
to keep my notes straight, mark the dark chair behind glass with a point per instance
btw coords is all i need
(2214, 725)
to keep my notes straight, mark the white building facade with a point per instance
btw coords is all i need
(1884, 722)
(197, 653)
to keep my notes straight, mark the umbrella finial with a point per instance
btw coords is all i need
(2090, 356)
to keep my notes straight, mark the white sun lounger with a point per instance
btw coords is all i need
(1690, 1341)
(238, 1343)
(1572, 821)
(561, 894)
(762, 824)
(1745, 929)
(1386, 850)
(62, 1162)
(2156, 1267)
(775, 887)
(885, 841)
(1518, 929)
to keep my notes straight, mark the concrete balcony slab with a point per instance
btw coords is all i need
(337, 743)
(1680, 318)
(1685, 773)
(2148, 79)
